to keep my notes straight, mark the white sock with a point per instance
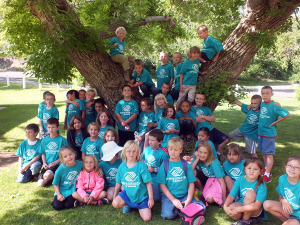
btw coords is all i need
(267, 174)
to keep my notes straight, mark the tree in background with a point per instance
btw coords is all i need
(59, 35)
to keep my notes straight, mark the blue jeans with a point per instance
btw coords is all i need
(156, 192)
(167, 207)
(31, 171)
(147, 90)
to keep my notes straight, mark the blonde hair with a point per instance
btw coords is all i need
(202, 28)
(210, 157)
(155, 99)
(93, 124)
(62, 149)
(164, 52)
(96, 168)
(175, 142)
(120, 28)
(92, 90)
(128, 145)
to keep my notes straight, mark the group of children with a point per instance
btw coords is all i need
(92, 167)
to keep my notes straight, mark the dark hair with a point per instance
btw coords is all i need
(158, 134)
(45, 93)
(109, 122)
(53, 121)
(138, 62)
(148, 102)
(32, 126)
(165, 111)
(205, 130)
(186, 102)
(267, 87)
(195, 49)
(70, 92)
(115, 133)
(296, 157)
(82, 90)
(235, 148)
(166, 83)
(260, 164)
(100, 100)
(126, 85)
(256, 97)
(77, 117)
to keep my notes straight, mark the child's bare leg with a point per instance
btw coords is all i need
(269, 161)
(77, 197)
(275, 208)
(222, 146)
(146, 144)
(110, 193)
(145, 214)
(250, 197)
(229, 183)
(237, 216)
(48, 176)
(118, 202)
(291, 222)
(102, 195)
(253, 155)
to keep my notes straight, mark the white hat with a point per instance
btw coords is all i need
(110, 149)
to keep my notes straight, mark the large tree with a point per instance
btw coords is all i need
(59, 34)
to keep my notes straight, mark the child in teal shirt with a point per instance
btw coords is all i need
(177, 58)
(165, 71)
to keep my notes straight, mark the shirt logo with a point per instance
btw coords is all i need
(245, 190)
(199, 112)
(195, 68)
(170, 126)
(130, 176)
(52, 146)
(90, 148)
(72, 176)
(46, 116)
(235, 172)
(101, 134)
(151, 159)
(30, 152)
(176, 171)
(126, 108)
(112, 172)
(71, 107)
(263, 110)
(205, 171)
(120, 48)
(288, 194)
(253, 119)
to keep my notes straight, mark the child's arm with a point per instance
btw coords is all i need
(83, 155)
(44, 162)
(72, 102)
(248, 208)
(168, 194)
(229, 200)
(286, 206)
(281, 119)
(83, 114)
(223, 186)
(191, 190)
(119, 117)
(202, 118)
(89, 104)
(117, 189)
(216, 57)
(60, 197)
(27, 165)
(65, 121)
(53, 163)
(196, 160)
(41, 125)
(98, 188)
(181, 86)
(20, 164)
(171, 82)
(130, 119)
(150, 193)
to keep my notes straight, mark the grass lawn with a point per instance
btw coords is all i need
(27, 204)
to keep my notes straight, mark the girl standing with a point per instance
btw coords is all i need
(104, 121)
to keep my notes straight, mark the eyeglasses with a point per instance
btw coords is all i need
(296, 168)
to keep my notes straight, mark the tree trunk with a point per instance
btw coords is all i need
(107, 77)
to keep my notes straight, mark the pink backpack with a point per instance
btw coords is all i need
(192, 214)
(213, 189)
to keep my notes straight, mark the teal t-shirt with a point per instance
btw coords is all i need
(110, 171)
(78, 139)
(102, 131)
(72, 110)
(46, 114)
(143, 77)
(93, 147)
(213, 148)
(167, 124)
(234, 170)
(134, 181)
(51, 146)
(65, 177)
(90, 115)
(27, 151)
(145, 118)
(169, 99)
(126, 110)
(158, 114)
(290, 192)
(164, 73)
(190, 71)
(42, 105)
(154, 158)
(211, 47)
(189, 114)
(269, 113)
(241, 186)
(213, 170)
(177, 76)
(202, 110)
(176, 180)
(119, 49)
(250, 127)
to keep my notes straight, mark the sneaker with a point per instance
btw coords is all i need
(264, 170)
(240, 222)
(77, 203)
(266, 179)
(104, 201)
(126, 209)
(256, 220)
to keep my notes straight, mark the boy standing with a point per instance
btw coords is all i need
(126, 111)
(211, 47)
(50, 111)
(118, 49)
(90, 112)
(49, 149)
(249, 128)
(165, 89)
(29, 157)
(165, 71)
(154, 156)
(142, 79)
(177, 58)
(268, 120)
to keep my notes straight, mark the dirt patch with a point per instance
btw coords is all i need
(7, 158)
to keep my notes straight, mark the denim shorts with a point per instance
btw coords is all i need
(294, 218)
(142, 205)
(266, 145)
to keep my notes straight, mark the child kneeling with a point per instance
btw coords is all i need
(135, 178)
(176, 180)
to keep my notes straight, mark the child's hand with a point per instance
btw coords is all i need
(177, 204)
(286, 206)
(139, 139)
(274, 124)
(150, 203)
(65, 127)
(150, 169)
(91, 199)
(77, 104)
(197, 155)
(51, 164)
(186, 202)
(115, 44)
(45, 166)
(100, 172)
(249, 107)
(150, 124)
(123, 123)
(86, 198)
(60, 197)
(127, 127)
(181, 88)
(24, 168)
(187, 158)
